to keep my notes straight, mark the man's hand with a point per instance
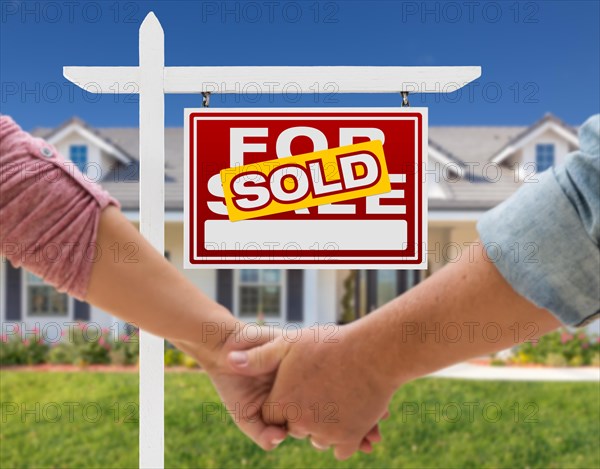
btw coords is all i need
(326, 388)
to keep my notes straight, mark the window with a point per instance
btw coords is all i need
(260, 293)
(78, 155)
(544, 156)
(387, 286)
(43, 299)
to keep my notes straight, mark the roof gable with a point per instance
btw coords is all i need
(78, 126)
(547, 123)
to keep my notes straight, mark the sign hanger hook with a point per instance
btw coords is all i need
(205, 98)
(405, 102)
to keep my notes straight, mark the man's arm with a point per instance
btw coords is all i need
(556, 216)
(468, 308)
(464, 310)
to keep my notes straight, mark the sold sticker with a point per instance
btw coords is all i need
(307, 180)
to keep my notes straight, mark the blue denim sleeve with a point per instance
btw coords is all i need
(558, 220)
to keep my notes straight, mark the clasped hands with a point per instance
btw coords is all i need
(320, 385)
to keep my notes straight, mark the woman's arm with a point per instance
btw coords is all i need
(46, 202)
(151, 293)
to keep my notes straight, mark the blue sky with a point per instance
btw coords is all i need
(537, 57)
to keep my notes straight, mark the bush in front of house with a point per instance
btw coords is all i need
(82, 345)
(173, 356)
(22, 352)
(92, 345)
(560, 348)
(61, 354)
(125, 349)
(18, 350)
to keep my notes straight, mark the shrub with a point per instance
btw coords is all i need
(36, 351)
(61, 354)
(82, 345)
(118, 356)
(12, 352)
(125, 349)
(91, 346)
(560, 348)
(18, 350)
(173, 357)
(556, 359)
(189, 362)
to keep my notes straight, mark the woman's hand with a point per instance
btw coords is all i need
(243, 396)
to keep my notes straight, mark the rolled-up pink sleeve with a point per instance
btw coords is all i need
(49, 212)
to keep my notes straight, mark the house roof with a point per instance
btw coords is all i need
(470, 147)
(473, 144)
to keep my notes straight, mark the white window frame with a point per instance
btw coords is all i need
(237, 283)
(42, 319)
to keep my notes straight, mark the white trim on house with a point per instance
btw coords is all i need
(90, 137)
(531, 135)
(281, 319)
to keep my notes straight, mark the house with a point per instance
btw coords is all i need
(470, 170)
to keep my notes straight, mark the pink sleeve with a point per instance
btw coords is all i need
(49, 212)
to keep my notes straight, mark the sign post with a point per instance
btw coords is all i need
(153, 80)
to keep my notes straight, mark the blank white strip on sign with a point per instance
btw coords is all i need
(306, 235)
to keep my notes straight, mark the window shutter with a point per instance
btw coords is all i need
(295, 295)
(13, 293)
(82, 310)
(371, 290)
(225, 288)
(401, 281)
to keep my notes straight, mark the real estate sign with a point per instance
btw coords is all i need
(312, 188)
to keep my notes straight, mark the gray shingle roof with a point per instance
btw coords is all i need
(471, 146)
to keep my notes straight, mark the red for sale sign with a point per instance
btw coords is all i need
(269, 162)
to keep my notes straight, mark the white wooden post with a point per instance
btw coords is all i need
(153, 80)
(152, 214)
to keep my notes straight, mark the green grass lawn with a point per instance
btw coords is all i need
(540, 425)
